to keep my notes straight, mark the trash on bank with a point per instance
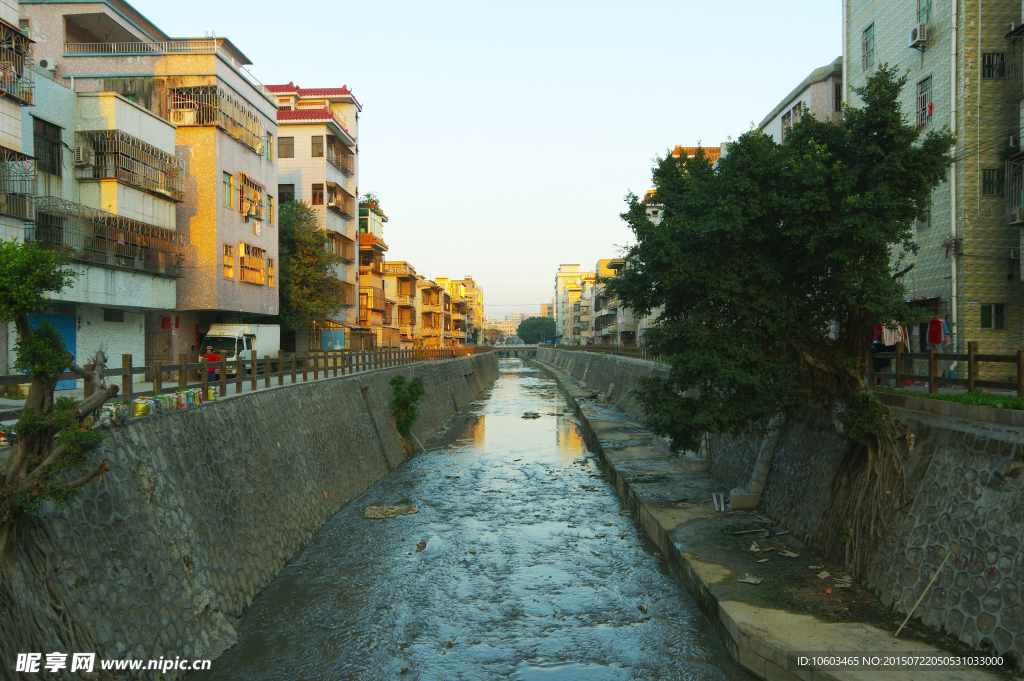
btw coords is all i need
(750, 579)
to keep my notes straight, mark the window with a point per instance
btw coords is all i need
(113, 315)
(924, 102)
(284, 104)
(286, 147)
(25, 27)
(993, 316)
(268, 147)
(229, 261)
(286, 192)
(924, 11)
(48, 147)
(867, 48)
(251, 264)
(787, 122)
(992, 182)
(318, 195)
(318, 146)
(270, 272)
(993, 66)
(837, 96)
(270, 210)
(229, 190)
(925, 221)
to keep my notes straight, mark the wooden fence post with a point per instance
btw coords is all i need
(239, 373)
(1020, 373)
(305, 365)
(899, 364)
(158, 378)
(280, 367)
(205, 379)
(224, 377)
(266, 371)
(933, 373)
(316, 367)
(254, 368)
(972, 365)
(126, 380)
(183, 374)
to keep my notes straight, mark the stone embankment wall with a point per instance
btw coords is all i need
(965, 476)
(203, 507)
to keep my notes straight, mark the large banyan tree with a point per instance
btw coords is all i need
(773, 267)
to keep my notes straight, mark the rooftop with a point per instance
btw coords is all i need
(292, 88)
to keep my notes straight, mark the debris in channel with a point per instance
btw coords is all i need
(531, 415)
(422, 545)
(382, 512)
(750, 579)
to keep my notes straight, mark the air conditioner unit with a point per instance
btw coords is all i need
(919, 35)
(183, 116)
(84, 156)
(47, 63)
(256, 228)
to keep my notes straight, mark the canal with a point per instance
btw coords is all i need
(517, 566)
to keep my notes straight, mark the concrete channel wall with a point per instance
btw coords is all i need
(964, 477)
(203, 507)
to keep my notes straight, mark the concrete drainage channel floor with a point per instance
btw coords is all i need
(528, 571)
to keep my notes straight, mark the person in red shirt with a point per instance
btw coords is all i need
(212, 357)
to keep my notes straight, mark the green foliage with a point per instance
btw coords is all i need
(370, 198)
(976, 399)
(43, 355)
(759, 258)
(310, 291)
(863, 419)
(406, 394)
(536, 330)
(27, 274)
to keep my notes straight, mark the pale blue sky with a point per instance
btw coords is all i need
(503, 136)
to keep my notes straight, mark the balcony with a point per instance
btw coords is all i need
(156, 48)
(1015, 189)
(15, 65)
(17, 184)
(406, 329)
(100, 238)
(116, 155)
(342, 246)
(401, 269)
(345, 162)
(340, 201)
(458, 316)
(205, 105)
(405, 301)
(371, 298)
(351, 297)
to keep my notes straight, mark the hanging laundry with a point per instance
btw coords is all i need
(935, 331)
(891, 336)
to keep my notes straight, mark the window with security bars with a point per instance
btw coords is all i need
(867, 47)
(252, 264)
(837, 97)
(229, 261)
(924, 11)
(993, 316)
(924, 221)
(924, 102)
(787, 122)
(992, 180)
(270, 272)
(48, 147)
(993, 66)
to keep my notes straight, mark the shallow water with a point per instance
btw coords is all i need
(553, 591)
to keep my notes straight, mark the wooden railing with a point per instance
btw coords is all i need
(315, 365)
(632, 351)
(903, 366)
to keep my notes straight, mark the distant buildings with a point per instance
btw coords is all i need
(820, 95)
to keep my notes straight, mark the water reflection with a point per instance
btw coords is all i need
(517, 566)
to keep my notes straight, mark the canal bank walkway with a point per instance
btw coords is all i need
(796, 609)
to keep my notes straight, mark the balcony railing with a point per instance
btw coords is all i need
(17, 184)
(15, 65)
(346, 163)
(207, 46)
(340, 201)
(400, 269)
(405, 301)
(102, 245)
(372, 298)
(1015, 189)
(116, 155)
(342, 246)
(213, 105)
(351, 297)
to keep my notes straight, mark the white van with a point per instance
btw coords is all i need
(245, 341)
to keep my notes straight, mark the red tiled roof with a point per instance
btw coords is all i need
(312, 92)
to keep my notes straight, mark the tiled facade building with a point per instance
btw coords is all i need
(820, 95)
(959, 71)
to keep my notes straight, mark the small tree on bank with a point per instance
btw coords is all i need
(773, 267)
(310, 290)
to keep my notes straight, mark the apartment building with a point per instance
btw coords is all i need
(376, 311)
(429, 331)
(401, 284)
(964, 74)
(318, 162)
(819, 95)
(226, 126)
(456, 310)
(108, 188)
(568, 286)
(474, 296)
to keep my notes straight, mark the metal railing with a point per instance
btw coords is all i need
(102, 245)
(346, 163)
(203, 46)
(15, 65)
(213, 105)
(405, 301)
(631, 351)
